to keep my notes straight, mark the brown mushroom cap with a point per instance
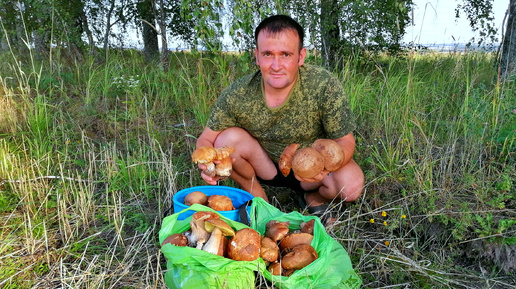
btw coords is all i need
(220, 203)
(223, 152)
(205, 215)
(307, 163)
(332, 153)
(177, 239)
(308, 227)
(295, 239)
(196, 197)
(300, 256)
(275, 268)
(245, 245)
(224, 168)
(269, 250)
(285, 161)
(210, 225)
(204, 154)
(277, 230)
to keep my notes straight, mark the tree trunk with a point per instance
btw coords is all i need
(330, 32)
(108, 26)
(150, 35)
(163, 32)
(508, 59)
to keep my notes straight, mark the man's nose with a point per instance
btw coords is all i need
(276, 63)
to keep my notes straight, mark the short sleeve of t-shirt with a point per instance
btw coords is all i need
(316, 108)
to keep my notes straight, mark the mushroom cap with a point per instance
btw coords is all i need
(224, 168)
(300, 256)
(245, 245)
(210, 225)
(220, 203)
(269, 250)
(295, 239)
(275, 268)
(196, 197)
(205, 215)
(277, 230)
(223, 152)
(285, 161)
(204, 154)
(332, 153)
(177, 239)
(308, 227)
(307, 163)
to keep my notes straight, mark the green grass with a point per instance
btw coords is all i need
(91, 155)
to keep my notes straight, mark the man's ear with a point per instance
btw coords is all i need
(302, 55)
(256, 56)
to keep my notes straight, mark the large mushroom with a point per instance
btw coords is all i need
(196, 197)
(285, 161)
(245, 245)
(206, 155)
(269, 250)
(332, 153)
(217, 243)
(220, 203)
(295, 239)
(307, 163)
(276, 230)
(177, 239)
(199, 235)
(300, 256)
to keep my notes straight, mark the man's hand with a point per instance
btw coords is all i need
(209, 174)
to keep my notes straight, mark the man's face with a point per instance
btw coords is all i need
(279, 58)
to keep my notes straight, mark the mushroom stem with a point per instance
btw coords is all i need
(213, 244)
(199, 234)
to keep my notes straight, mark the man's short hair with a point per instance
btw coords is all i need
(278, 23)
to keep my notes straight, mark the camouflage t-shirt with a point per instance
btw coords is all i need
(315, 108)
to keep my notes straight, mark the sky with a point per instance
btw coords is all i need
(435, 23)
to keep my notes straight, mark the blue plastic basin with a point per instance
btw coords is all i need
(237, 196)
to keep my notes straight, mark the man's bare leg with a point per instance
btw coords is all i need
(250, 160)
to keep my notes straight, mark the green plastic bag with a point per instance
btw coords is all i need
(333, 268)
(193, 268)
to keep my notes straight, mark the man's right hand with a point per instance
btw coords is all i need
(208, 174)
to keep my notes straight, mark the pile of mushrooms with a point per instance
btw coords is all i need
(216, 202)
(308, 162)
(285, 251)
(207, 155)
(211, 234)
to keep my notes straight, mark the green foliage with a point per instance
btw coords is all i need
(480, 16)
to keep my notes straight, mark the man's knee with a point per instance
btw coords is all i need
(231, 136)
(352, 183)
